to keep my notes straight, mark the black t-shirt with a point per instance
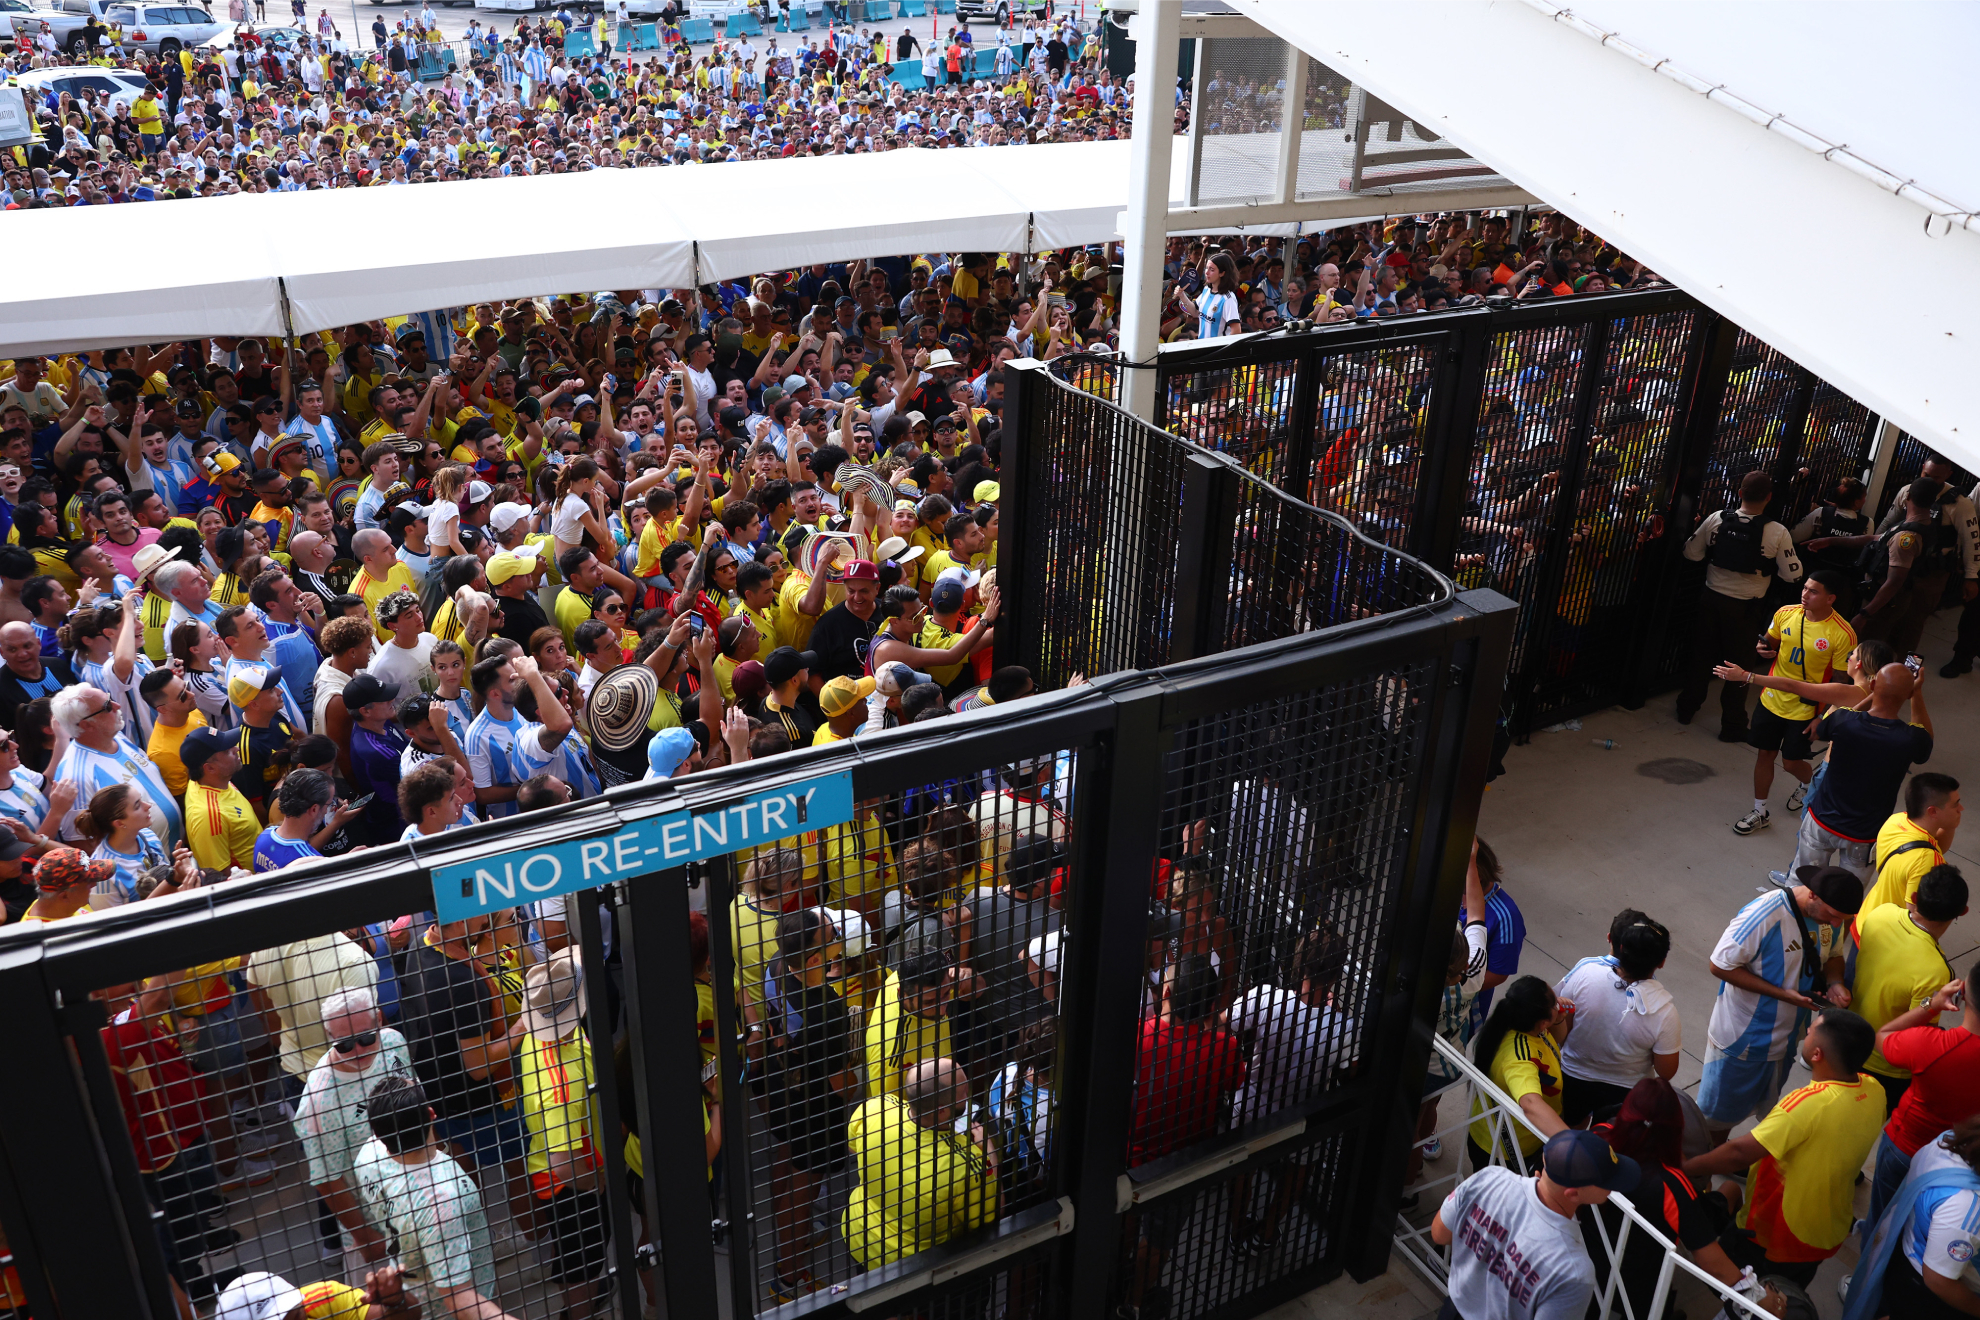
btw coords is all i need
(521, 617)
(800, 721)
(1004, 928)
(841, 639)
(257, 748)
(442, 999)
(1055, 52)
(1868, 759)
(1669, 1200)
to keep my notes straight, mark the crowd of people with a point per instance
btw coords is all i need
(324, 111)
(1838, 968)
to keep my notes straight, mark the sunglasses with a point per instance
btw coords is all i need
(352, 1044)
(612, 609)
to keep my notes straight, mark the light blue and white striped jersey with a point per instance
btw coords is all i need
(320, 440)
(1944, 1233)
(104, 679)
(490, 750)
(569, 761)
(23, 798)
(93, 771)
(1765, 939)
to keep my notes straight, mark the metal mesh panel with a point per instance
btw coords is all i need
(1199, 1249)
(926, 930)
(1243, 411)
(1518, 452)
(1752, 422)
(1240, 103)
(1294, 570)
(1835, 444)
(1608, 576)
(1369, 431)
(278, 1101)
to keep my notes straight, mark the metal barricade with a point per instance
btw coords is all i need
(1506, 1122)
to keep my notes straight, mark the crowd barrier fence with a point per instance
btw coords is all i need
(1559, 451)
(1299, 807)
(1476, 1097)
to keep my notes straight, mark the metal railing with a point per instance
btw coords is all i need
(1506, 1122)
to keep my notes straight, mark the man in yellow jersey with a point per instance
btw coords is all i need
(1807, 642)
(1804, 1156)
(383, 573)
(220, 822)
(554, 1073)
(1915, 840)
(1899, 964)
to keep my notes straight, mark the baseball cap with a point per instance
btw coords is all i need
(668, 749)
(250, 681)
(966, 578)
(748, 680)
(479, 491)
(59, 868)
(1840, 889)
(258, 1296)
(190, 408)
(510, 563)
(896, 678)
(365, 688)
(1581, 1159)
(786, 663)
(841, 694)
(793, 383)
(947, 596)
(862, 570)
(504, 516)
(13, 849)
(199, 746)
(987, 492)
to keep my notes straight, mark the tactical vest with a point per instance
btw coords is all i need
(1736, 545)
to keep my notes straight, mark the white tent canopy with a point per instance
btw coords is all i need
(357, 254)
(1777, 199)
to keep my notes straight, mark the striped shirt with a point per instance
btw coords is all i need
(490, 751)
(1765, 939)
(92, 771)
(569, 761)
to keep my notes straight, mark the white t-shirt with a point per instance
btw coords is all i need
(436, 1212)
(330, 1116)
(443, 522)
(1618, 1024)
(704, 392)
(330, 682)
(1294, 1048)
(568, 525)
(406, 666)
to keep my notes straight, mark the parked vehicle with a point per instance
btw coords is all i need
(999, 10)
(159, 29)
(120, 85)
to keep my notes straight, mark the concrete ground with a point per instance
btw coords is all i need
(1584, 832)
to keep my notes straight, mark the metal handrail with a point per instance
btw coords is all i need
(1506, 1120)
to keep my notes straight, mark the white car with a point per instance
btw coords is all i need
(121, 85)
(284, 37)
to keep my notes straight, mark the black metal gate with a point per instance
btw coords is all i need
(1279, 815)
(1560, 452)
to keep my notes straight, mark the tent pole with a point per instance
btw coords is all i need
(1157, 29)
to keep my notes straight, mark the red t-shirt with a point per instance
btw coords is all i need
(1945, 1083)
(1181, 1071)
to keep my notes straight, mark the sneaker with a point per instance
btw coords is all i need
(789, 1290)
(1433, 1148)
(1842, 1288)
(1795, 798)
(1751, 821)
(249, 1171)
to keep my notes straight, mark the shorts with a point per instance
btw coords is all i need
(1735, 1086)
(486, 1136)
(217, 1048)
(577, 1234)
(1772, 733)
(1815, 846)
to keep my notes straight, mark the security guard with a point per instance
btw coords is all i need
(1744, 551)
(1951, 547)
(1891, 582)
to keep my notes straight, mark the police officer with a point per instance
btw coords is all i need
(1833, 535)
(1950, 548)
(1737, 545)
(1892, 581)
